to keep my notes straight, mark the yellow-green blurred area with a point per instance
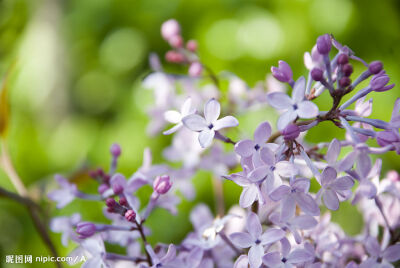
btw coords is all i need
(76, 87)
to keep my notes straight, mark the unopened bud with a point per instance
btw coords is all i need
(162, 184)
(291, 132)
(85, 229)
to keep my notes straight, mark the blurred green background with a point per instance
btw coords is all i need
(77, 85)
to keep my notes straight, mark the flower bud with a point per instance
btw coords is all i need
(174, 57)
(85, 229)
(375, 67)
(162, 184)
(123, 201)
(379, 81)
(195, 69)
(317, 74)
(102, 188)
(115, 150)
(324, 44)
(176, 41)
(110, 202)
(283, 73)
(130, 215)
(191, 45)
(393, 175)
(291, 132)
(117, 188)
(169, 29)
(342, 59)
(347, 69)
(386, 137)
(344, 82)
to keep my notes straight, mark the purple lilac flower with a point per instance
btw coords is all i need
(66, 194)
(302, 222)
(175, 117)
(66, 226)
(295, 106)
(364, 173)
(332, 155)
(168, 260)
(379, 257)
(333, 188)
(209, 124)
(283, 73)
(294, 194)
(256, 239)
(287, 258)
(94, 250)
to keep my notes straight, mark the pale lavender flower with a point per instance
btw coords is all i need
(333, 188)
(379, 257)
(332, 155)
(175, 117)
(66, 226)
(314, 59)
(252, 148)
(364, 173)
(66, 194)
(296, 193)
(295, 106)
(256, 239)
(209, 124)
(302, 222)
(168, 260)
(287, 258)
(94, 250)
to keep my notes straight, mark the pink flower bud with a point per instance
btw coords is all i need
(110, 202)
(162, 184)
(176, 41)
(169, 29)
(174, 57)
(195, 69)
(130, 215)
(191, 45)
(102, 188)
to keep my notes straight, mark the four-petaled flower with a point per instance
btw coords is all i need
(295, 106)
(175, 117)
(209, 124)
(333, 187)
(255, 239)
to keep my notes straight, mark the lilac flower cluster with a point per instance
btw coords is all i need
(288, 185)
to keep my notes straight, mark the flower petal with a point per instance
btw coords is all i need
(279, 100)
(304, 222)
(212, 110)
(224, 122)
(262, 133)
(206, 137)
(279, 193)
(307, 204)
(307, 109)
(259, 173)
(286, 118)
(372, 246)
(173, 129)
(288, 208)
(328, 175)
(267, 156)
(187, 107)
(255, 256)
(286, 169)
(253, 225)
(194, 122)
(172, 116)
(245, 148)
(248, 196)
(333, 151)
(298, 90)
(342, 183)
(242, 240)
(331, 200)
(299, 256)
(272, 259)
(271, 236)
(392, 253)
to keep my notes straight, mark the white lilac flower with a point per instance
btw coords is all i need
(175, 117)
(296, 106)
(256, 239)
(209, 124)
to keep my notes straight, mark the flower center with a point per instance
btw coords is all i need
(258, 241)
(210, 126)
(295, 106)
(284, 260)
(257, 147)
